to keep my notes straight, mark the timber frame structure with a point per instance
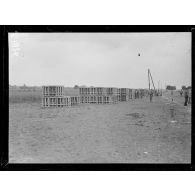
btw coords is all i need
(55, 96)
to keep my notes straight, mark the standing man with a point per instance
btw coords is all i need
(186, 95)
(172, 95)
(151, 95)
(136, 94)
(141, 94)
(189, 95)
(181, 92)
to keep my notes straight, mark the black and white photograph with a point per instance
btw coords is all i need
(97, 97)
(100, 97)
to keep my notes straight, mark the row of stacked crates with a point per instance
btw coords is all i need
(57, 96)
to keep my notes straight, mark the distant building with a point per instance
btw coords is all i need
(169, 87)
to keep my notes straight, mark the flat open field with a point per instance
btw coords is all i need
(128, 132)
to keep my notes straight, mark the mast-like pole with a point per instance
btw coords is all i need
(149, 78)
(152, 80)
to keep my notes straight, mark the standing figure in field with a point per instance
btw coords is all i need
(186, 95)
(141, 94)
(172, 95)
(151, 95)
(181, 92)
(138, 94)
(189, 96)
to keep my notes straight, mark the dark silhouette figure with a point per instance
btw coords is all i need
(151, 96)
(189, 96)
(135, 94)
(186, 97)
(172, 95)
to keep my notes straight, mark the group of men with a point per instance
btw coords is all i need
(139, 94)
(154, 92)
(187, 96)
(186, 92)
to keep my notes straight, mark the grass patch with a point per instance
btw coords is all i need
(21, 96)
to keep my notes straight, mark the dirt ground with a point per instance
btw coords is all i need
(128, 132)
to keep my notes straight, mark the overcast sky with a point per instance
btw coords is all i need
(99, 59)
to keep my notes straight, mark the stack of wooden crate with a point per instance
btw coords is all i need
(98, 95)
(124, 94)
(55, 96)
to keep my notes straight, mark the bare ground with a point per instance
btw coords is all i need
(129, 132)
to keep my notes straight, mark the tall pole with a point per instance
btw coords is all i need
(149, 78)
(152, 80)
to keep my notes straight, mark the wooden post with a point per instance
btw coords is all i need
(152, 80)
(149, 79)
